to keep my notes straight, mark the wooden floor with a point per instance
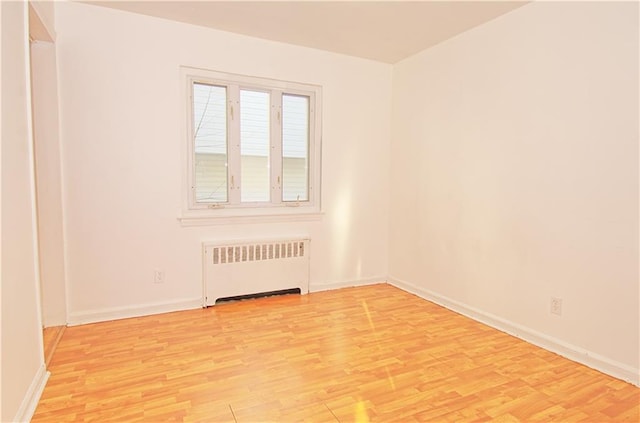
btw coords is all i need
(371, 353)
(51, 337)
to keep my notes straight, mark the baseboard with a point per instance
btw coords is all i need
(572, 352)
(32, 396)
(103, 315)
(54, 320)
(115, 313)
(346, 284)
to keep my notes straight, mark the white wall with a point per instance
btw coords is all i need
(49, 185)
(121, 132)
(46, 16)
(514, 177)
(22, 354)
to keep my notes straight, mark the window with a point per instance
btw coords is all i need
(253, 145)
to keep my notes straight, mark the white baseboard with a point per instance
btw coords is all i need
(59, 319)
(32, 396)
(572, 352)
(115, 313)
(346, 284)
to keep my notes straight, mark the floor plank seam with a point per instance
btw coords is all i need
(332, 413)
(233, 414)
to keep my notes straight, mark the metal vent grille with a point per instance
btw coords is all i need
(257, 252)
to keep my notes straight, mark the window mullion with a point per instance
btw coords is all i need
(276, 147)
(233, 163)
(313, 166)
(191, 148)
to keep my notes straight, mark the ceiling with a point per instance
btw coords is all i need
(386, 31)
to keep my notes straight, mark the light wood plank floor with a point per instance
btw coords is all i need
(371, 353)
(51, 337)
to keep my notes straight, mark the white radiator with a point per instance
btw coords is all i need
(235, 269)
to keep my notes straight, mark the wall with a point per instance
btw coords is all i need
(23, 374)
(48, 182)
(121, 131)
(46, 17)
(515, 177)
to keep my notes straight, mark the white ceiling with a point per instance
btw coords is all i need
(386, 31)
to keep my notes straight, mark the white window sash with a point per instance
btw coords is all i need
(234, 207)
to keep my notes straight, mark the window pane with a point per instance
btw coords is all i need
(254, 146)
(210, 138)
(295, 148)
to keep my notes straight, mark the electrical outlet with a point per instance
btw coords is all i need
(556, 306)
(158, 276)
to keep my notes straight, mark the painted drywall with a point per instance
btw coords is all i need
(1, 102)
(22, 352)
(122, 140)
(48, 182)
(47, 19)
(515, 174)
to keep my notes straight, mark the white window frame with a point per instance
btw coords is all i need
(194, 213)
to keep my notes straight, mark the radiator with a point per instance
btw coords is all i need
(235, 269)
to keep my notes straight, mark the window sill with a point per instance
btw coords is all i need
(225, 217)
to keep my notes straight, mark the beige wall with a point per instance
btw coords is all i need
(122, 137)
(22, 353)
(514, 170)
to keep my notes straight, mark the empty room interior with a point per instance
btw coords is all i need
(320, 211)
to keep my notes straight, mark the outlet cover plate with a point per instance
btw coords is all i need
(556, 306)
